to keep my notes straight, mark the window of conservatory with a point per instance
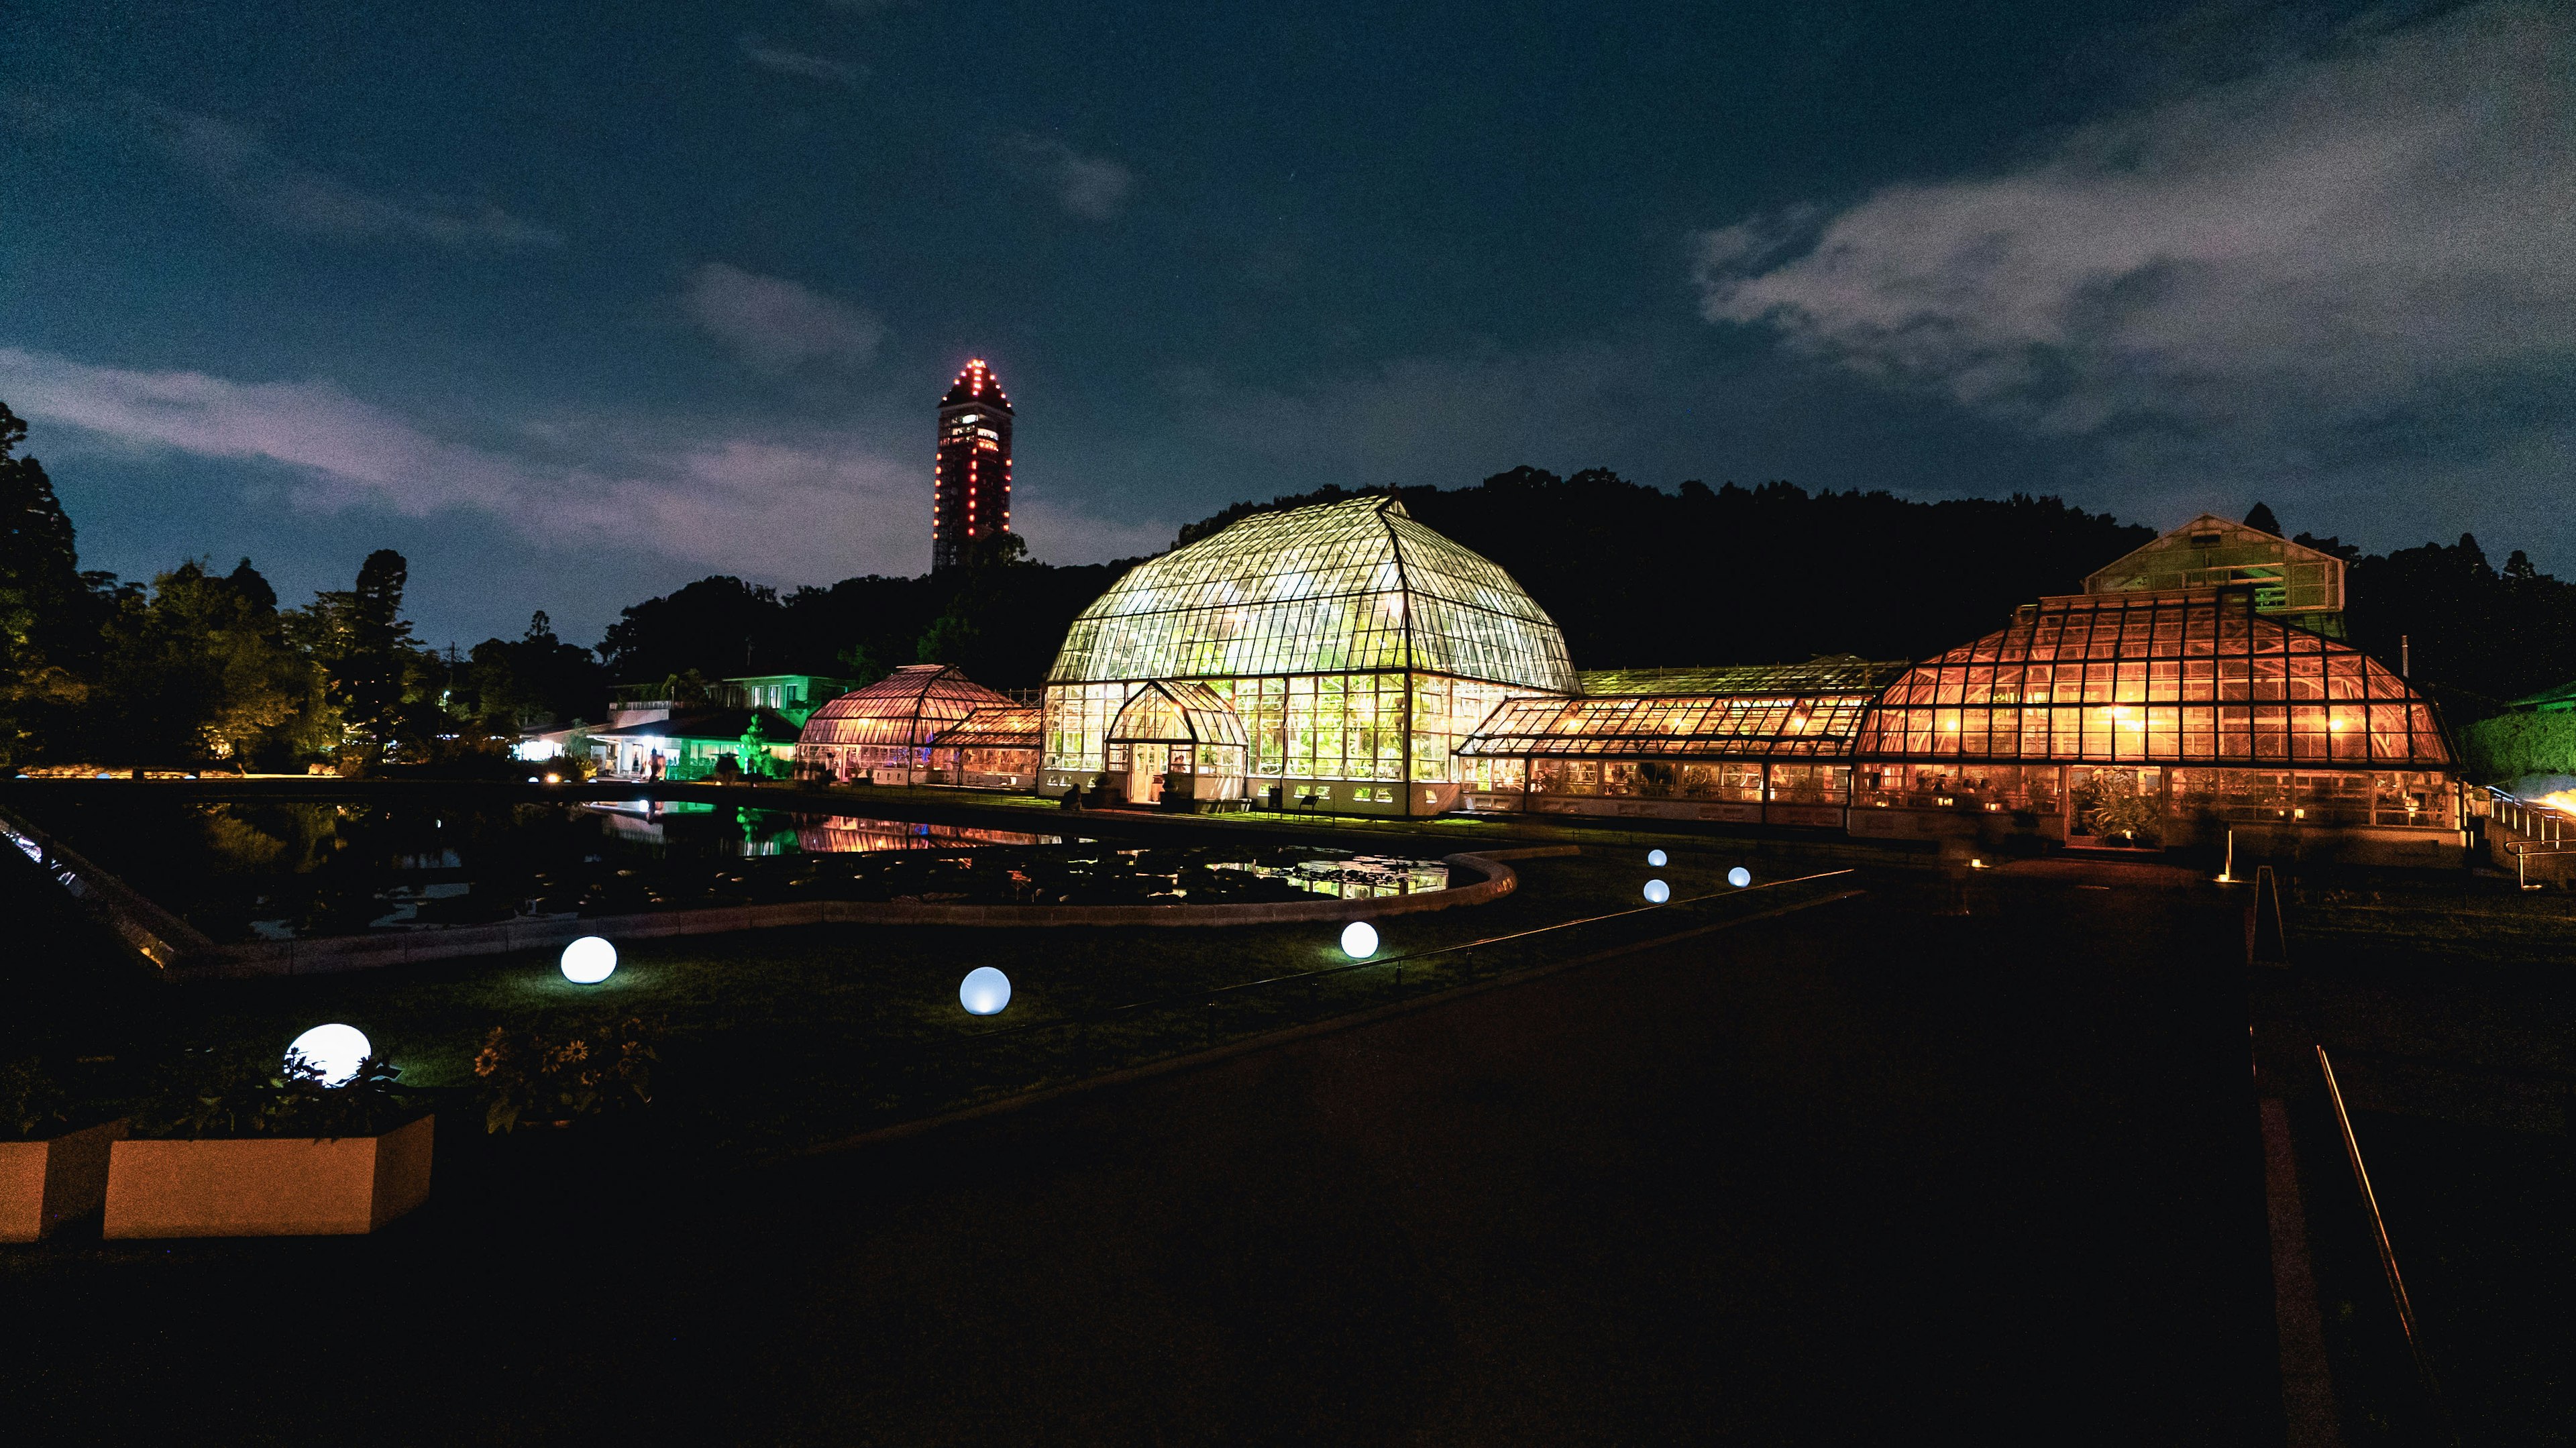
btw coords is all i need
(2176, 677)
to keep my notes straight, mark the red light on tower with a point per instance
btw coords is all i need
(974, 501)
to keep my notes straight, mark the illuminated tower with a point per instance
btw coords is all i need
(971, 485)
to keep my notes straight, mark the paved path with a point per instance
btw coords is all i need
(1863, 1174)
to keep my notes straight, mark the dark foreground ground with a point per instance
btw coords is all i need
(1867, 1173)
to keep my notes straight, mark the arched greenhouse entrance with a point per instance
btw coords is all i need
(1177, 744)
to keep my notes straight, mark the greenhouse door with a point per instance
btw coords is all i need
(1145, 772)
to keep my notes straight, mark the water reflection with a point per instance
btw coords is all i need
(1361, 877)
(299, 869)
(762, 832)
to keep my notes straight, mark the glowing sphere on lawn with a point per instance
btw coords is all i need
(984, 991)
(1359, 940)
(589, 960)
(335, 1050)
(1657, 892)
(1739, 877)
(1655, 858)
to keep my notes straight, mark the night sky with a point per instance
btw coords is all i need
(574, 304)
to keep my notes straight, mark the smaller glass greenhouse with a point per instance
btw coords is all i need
(884, 732)
(996, 747)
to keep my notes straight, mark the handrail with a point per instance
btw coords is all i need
(2387, 1252)
(2539, 824)
(1376, 962)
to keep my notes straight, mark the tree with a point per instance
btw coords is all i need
(2262, 520)
(50, 611)
(200, 670)
(378, 679)
(532, 681)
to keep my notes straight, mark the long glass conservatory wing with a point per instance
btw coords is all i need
(2196, 677)
(1672, 727)
(1827, 674)
(995, 726)
(1333, 588)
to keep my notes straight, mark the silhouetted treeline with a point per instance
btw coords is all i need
(2478, 636)
(998, 617)
(203, 665)
(1639, 577)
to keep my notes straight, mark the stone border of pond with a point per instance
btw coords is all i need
(185, 953)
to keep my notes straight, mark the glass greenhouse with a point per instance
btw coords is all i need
(1355, 648)
(2155, 717)
(996, 747)
(2290, 580)
(884, 732)
(1766, 743)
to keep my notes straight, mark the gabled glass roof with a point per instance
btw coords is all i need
(1684, 726)
(1177, 712)
(1826, 673)
(995, 726)
(1335, 587)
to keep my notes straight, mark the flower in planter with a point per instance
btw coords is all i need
(531, 1078)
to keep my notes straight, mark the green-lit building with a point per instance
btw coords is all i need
(653, 736)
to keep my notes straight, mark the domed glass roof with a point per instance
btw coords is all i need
(1335, 587)
(907, 707)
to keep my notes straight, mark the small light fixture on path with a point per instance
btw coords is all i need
(984, 991)
(335, 1050)
(1359, 940)
(1739, 877)
(1655, 858)
(589, 960)
(1657, 892)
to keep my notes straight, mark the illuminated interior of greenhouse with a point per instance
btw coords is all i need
(883, 733)
(996, 747)
(1354, 647)
(1343, 658)
(1762, 744)
(2156, 717)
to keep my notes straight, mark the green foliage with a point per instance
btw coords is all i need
(531, 682)
(2505, 747)
(209, 1095)
(2112, 806)
(199, 670)
(530, 1077)
(48, 608)
(32, 1102)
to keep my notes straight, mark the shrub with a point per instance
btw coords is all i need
(209, 1096)
(529, 1077)
(32, 1103)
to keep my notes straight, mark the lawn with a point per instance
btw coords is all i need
(778, 1039)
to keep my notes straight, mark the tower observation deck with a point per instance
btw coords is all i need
(971, 483)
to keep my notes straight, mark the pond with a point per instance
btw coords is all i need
(242, 871)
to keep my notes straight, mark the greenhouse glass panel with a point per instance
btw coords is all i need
(2152, 666)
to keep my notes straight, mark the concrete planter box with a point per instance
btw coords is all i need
(267, 1186)
(44, 1184)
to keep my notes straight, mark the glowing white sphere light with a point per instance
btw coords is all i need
(589, 960)
(1739, 877)
(1359, 940)
(1657, 892)
(335, 1050)
(1655, 858)
(984, 991)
